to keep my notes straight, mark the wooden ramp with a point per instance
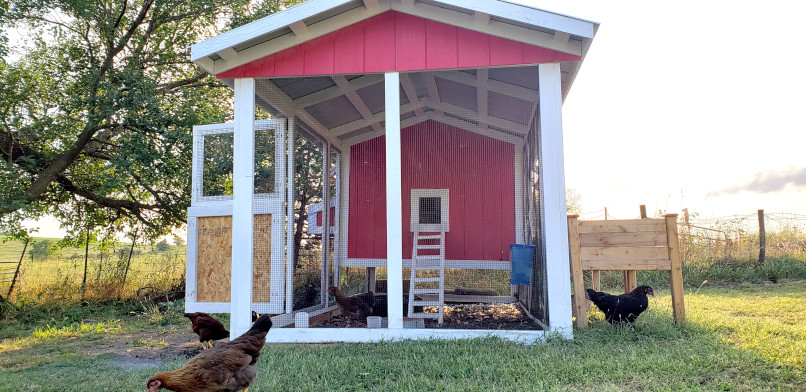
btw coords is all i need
(626, 245)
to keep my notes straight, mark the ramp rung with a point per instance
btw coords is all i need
(426, 303)
(424, 315)
(428, 247)
(429, 237)
(434, 290)
(426, 280)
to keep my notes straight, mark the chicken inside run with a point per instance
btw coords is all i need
(352, 312)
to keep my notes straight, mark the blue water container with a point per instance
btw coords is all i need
(521, 257)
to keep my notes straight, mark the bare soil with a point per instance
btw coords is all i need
(465, 316)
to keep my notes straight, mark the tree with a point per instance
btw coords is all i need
(99, 110)
(573, 201)
(41, 249)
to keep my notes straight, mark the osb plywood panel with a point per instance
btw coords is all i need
(261, 259)
(214, 256)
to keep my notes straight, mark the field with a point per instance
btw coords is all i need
(751, 338)
(50, 273)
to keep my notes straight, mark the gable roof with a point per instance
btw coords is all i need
(316, 18)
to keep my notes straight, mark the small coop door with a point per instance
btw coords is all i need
(209, 253)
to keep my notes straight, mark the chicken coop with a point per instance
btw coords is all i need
(411, 149)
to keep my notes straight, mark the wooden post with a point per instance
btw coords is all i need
(596, 276)
(605, 213)
(762, 237)
(630, 276)
(580, 300)
(676, 272)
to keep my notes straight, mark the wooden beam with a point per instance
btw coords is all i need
(561, 37)
(335, 91)
(300, 29)
(482, 19)
(411, 93)
(371, 4)
(228, 54)
(357, 102)
(269, 92)
(376, 118)
(482, 104)
(433, 90)
(476, 117)
(492, 85)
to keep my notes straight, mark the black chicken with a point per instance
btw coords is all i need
(622, 308)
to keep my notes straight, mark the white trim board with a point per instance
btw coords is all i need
(366, 335)
(504, 265)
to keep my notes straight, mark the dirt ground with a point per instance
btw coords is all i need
(466, 316)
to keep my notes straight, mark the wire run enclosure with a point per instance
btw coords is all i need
(410, 150)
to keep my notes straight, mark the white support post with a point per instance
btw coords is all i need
(242, 195)
(553, 174)
(289, 246)
(394, 203)
(326, 221)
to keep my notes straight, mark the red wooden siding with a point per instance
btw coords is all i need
(393, 41)
(477, 170)
(332, 217)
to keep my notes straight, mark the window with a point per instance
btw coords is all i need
(429, 210)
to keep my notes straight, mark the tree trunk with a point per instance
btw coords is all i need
(300, 225)
(19, 266)
(128, 263)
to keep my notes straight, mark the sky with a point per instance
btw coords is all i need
(688, 104)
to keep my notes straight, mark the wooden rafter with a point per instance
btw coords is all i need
(268, 91)
(499, 87)
(482, 97)
(335, 91)
(355, 99)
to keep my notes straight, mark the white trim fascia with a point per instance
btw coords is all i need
(367, 335)
(499, 265)
(529, 15)
(552, 172)
(344, 213)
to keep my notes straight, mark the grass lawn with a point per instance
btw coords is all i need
(746, 338)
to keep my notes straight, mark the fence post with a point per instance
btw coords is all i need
(762, 237)
(676, 272)
(580, 299)
(643, 211)
(17, 272)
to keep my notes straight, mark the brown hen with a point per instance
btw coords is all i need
(355, 308)
(207, 328)
(223, 368)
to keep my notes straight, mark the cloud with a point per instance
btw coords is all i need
(769, 181)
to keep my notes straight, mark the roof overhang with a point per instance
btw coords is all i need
(315, 18)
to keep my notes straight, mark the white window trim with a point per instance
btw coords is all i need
(416, 195)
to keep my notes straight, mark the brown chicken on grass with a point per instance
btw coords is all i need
(207, 328)
(355, 308)
(223, 368)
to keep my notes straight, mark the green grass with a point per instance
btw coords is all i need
(747, 339)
